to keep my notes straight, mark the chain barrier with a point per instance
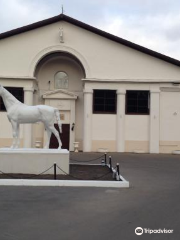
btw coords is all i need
(81, 178)
(67, 173)
(90, 160)
(9, 175)
(102, 176)
(35, 175)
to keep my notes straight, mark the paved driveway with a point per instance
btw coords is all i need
(52, 213)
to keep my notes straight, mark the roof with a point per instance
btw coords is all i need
(63, 17)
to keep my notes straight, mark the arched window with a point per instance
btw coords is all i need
(61, 80)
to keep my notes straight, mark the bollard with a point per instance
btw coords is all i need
(102, 162)
(118, 172)
(110, 162)
(105, 155)
(117, 165)
(54, 171)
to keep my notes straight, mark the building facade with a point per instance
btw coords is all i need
(112, 94)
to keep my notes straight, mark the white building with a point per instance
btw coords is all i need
(111, 93)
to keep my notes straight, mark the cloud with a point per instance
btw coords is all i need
(16, 13)
(154, 24)
(157, 32)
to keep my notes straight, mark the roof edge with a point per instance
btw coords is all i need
(31, 26)
(92, 29)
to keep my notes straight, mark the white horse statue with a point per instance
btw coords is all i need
(18, 113)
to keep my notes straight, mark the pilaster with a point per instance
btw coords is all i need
(120, 137)
(154, 120)
(28, 99)
(87, 138)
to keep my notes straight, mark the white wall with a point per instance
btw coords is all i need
(170, 116)
(105, 58)
(104, 127)
(104, 132)
(137, 128)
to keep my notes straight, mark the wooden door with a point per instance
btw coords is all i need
(64, 137)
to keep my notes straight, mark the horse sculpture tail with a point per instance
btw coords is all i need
(58, 120)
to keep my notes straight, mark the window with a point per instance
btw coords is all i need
(137, 102)
(16, 92)
(61, 80)
(104, 101)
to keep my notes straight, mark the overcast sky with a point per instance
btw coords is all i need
(154, 24)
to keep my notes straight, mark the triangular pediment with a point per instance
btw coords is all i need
(59, 94)
(63, 17)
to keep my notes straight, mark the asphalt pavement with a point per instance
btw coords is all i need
(64, 213)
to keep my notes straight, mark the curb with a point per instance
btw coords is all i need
(64, 183)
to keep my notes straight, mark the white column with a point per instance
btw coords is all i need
(88, 101)
(154, 120)
(120, 122)
(28, 99)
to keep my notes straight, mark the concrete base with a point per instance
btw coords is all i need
(33, 160)
(64, 183)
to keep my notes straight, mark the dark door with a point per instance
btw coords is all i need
(64, 137)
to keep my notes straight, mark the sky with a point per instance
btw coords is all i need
(154, 24)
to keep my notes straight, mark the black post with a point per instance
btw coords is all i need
(117, 168)
(54, 171)
(110, 162)
(105, 155)
(118, 172)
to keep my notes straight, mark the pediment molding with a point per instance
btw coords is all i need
(60, 94)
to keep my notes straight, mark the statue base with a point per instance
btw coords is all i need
(33, 160)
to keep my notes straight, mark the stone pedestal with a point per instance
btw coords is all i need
(33, 160)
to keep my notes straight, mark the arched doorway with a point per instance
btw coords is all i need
(59, 79)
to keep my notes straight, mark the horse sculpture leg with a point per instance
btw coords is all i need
(49, 137)
(17, 140)
(15, 134)
(56, 133)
